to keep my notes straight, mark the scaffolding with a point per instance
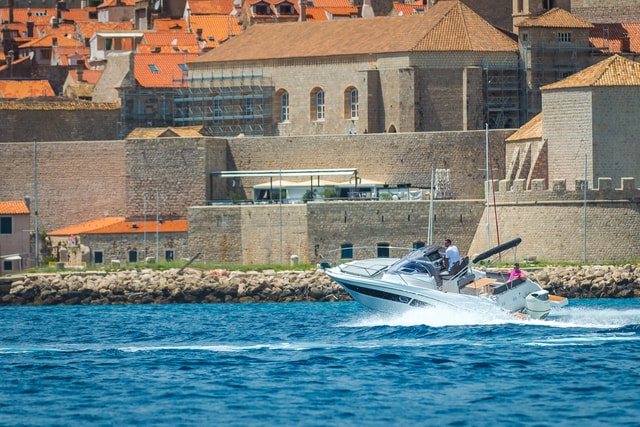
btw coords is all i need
(226, 105)
(548, 61)
(504, 95)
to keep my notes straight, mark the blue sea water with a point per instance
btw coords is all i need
(318, 364)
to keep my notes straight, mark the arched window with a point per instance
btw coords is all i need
(284, 107)
(317, 104)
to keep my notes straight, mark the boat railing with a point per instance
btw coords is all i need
(354, 253)
(372, 270)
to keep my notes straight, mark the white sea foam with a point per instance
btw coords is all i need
(567, 317)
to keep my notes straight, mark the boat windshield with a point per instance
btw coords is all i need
(425, 260)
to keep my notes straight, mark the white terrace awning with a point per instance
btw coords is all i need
(286, 172)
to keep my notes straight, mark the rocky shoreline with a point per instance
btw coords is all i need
(222, 286)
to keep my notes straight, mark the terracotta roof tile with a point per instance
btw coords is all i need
(166, 38)
(48, 41)
(609, 37)
(39, 15)
(114, 3)
(161, 69)
(405, 9)
(555, 18)
(447, 23)
(613, 71)
(167, 132)
(316, 14)
(209, 7)
(218, 27)
(87, 29)
(330, 3)
(16, 89)
(530, 130)
(88, 76)
(18, 207)
(341, 11)
(167, 24)
(76, 15)
(118, 225)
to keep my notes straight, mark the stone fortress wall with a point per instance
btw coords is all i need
(554, 224)
(81, 181)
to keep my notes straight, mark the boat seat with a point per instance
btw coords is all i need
(458, 266)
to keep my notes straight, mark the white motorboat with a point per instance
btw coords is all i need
(419, 280)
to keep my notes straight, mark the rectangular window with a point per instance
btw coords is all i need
(169, 255)
(383, 250)
(320, 105)
(7, 265)
(98, 257)
(354, 104)
(284, 112)
(6, 225)
(133, 256)
(346, 251)
(217, 110)
(564, 37)
(261, 9)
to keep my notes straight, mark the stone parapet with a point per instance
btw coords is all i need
(508, 191)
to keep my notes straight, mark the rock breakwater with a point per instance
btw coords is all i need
(221, 286)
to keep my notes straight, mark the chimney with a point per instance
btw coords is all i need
(199, 34)
(11, 5)
(60, 7)
(303, 10)
(30, 29)
(54, 42)
(625, 43)
(80, 72)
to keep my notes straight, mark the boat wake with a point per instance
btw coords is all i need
(567, 317)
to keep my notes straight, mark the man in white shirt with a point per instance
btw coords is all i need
(451, 255)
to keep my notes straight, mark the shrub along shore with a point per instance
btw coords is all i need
(222, 286)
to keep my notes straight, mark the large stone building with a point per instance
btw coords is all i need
(425, 72)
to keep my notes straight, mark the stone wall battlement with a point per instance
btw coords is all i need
(514, 191)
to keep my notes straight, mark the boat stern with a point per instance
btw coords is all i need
(537, 304)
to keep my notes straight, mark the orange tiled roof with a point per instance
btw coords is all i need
(329, 3)
(88, 76)
(341, 11)
(449, 25)
(613, 71)
(166, 38)
(167, 24)
(39, 16)
(530, 130)
(167, 132)
(118, 225)
(18, 207)
(609, 37)
(47, 41)
(555, 18)
(87, 29)
(76, 15)
(161, 69)
(316, 14)
(209, 7)
(404, 9)
(114, 3)
(142, 48)
(216, 28)
(16, 89)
